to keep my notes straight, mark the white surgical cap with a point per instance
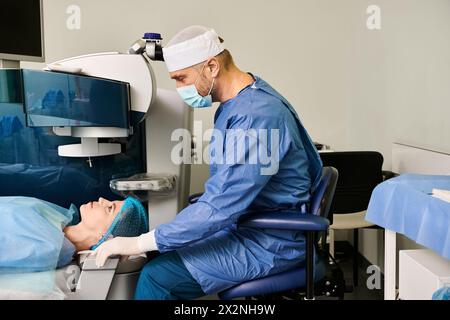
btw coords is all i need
(191, 46)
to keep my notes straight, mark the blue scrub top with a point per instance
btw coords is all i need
(217, 253)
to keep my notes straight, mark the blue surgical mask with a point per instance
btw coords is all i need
(191, 96)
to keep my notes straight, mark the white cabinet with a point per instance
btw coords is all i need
(421, 274)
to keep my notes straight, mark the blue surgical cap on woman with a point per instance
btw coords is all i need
(131, 221)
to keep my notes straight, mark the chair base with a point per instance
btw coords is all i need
(331, 286)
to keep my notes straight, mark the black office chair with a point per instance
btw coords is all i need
(359, 174)
(310, 276)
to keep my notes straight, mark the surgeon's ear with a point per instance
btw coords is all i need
(214, 67)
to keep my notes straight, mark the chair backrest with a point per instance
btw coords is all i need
(322, 196)
(359, 174)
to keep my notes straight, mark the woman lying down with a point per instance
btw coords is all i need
(36, 235)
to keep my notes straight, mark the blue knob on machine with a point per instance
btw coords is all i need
(152, 36)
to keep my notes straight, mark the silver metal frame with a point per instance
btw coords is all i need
(17, 57)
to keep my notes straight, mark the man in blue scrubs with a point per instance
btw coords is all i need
(204, 252)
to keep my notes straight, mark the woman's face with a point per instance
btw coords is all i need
(98, 215)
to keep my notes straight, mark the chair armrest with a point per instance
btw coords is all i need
(195, 197)
(389, 175)
(285, 221)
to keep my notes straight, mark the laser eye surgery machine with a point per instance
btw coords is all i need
(166, 183)
(100, 97)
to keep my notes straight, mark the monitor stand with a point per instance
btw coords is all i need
(89, 147)
(9, 64)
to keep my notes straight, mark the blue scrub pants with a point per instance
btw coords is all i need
(166, 278)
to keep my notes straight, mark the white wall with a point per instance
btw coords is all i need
(353, 88)
(400, 78)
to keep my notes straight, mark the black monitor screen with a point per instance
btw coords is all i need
(20, 27)
(54, 99)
